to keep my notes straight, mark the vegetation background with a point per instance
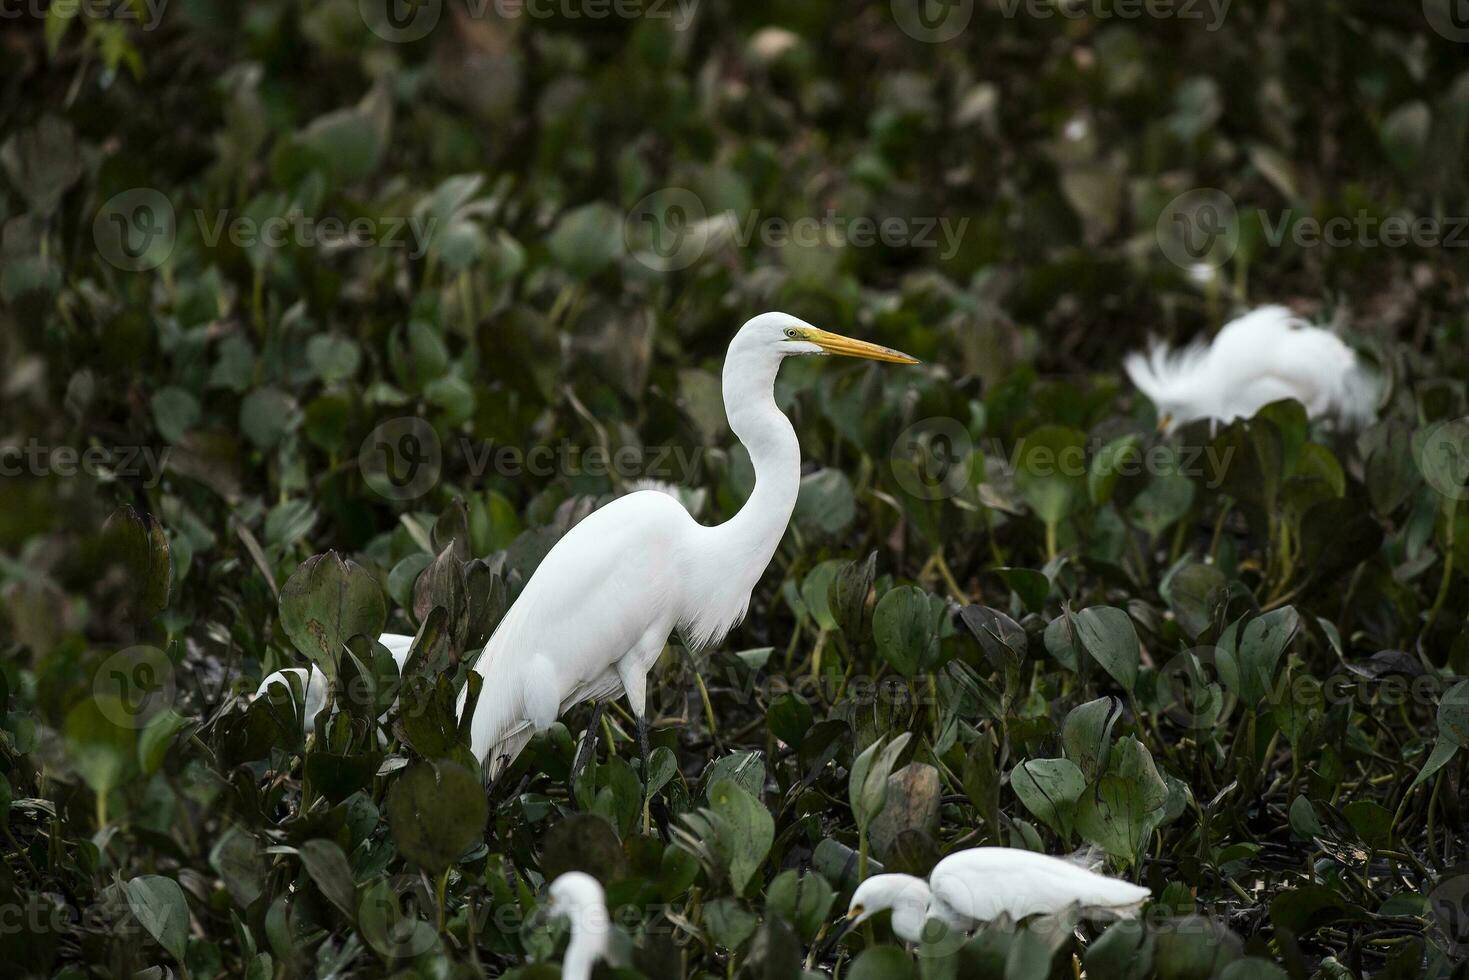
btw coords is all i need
(324, 317)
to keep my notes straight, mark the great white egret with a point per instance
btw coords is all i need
(600, 607)
(1261, 357)
(578, 898)
(598, 610)
(983, 883)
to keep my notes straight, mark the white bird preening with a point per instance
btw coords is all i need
(578, 897)
(981, 884)
(599, 609)
(1261, 357)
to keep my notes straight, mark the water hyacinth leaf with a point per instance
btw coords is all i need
(816, 592)
(1109, 636)
(1119, 812)
(328, 868)
(1049, 788)
(1123, 952)
(882, 963)
(1030, 585)
(235, 857)
(102, 749)
(1051, 472)
(849, 594)
(1197, 593)
(159, 905)
(868, 782)
(826, 503)
(1086, 733)
(587, 240)
(1121, 455)
(1247, 666)
(436, 810)
(803, 900)
(583, 842)
(906, 626)
(750, 830)
(325, 602)
(1003, 641)
(138, 547)
(1061, 642)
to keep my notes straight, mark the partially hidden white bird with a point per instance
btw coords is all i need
(314, 683)
(599, 609)
(579, 898)
(981, 884)
(1264, 356)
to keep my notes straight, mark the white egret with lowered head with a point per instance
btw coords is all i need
(1261, 357)
(983, 883)
(599, 609)
(578, 897)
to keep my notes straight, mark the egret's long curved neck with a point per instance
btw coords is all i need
(749, 539)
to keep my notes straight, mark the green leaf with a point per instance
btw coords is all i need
(1109, 636)
(436, 811)
(1051, 471)
(587, 240)
(747, 831)
(867, 783)
(326, 602)
(906, 626)
(328, 868)
(159, 905)
(1049, 788)
(881, 963)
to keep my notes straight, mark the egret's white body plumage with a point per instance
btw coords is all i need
(983, 883)
(579, 898)
(1264, 356)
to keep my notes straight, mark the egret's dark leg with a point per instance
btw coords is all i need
(588, 742)
(643, 743)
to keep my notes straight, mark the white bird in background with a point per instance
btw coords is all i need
(600, 607)
(1264, 356)
(314, 683)
(983, 883)
(578, 897)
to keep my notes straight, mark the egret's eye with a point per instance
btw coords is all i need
(792, 333)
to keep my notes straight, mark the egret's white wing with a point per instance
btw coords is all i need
(609, 581)
(984, 882)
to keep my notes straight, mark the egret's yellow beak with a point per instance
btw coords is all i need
(1165, 422)
(835, 343)
(855, 911)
